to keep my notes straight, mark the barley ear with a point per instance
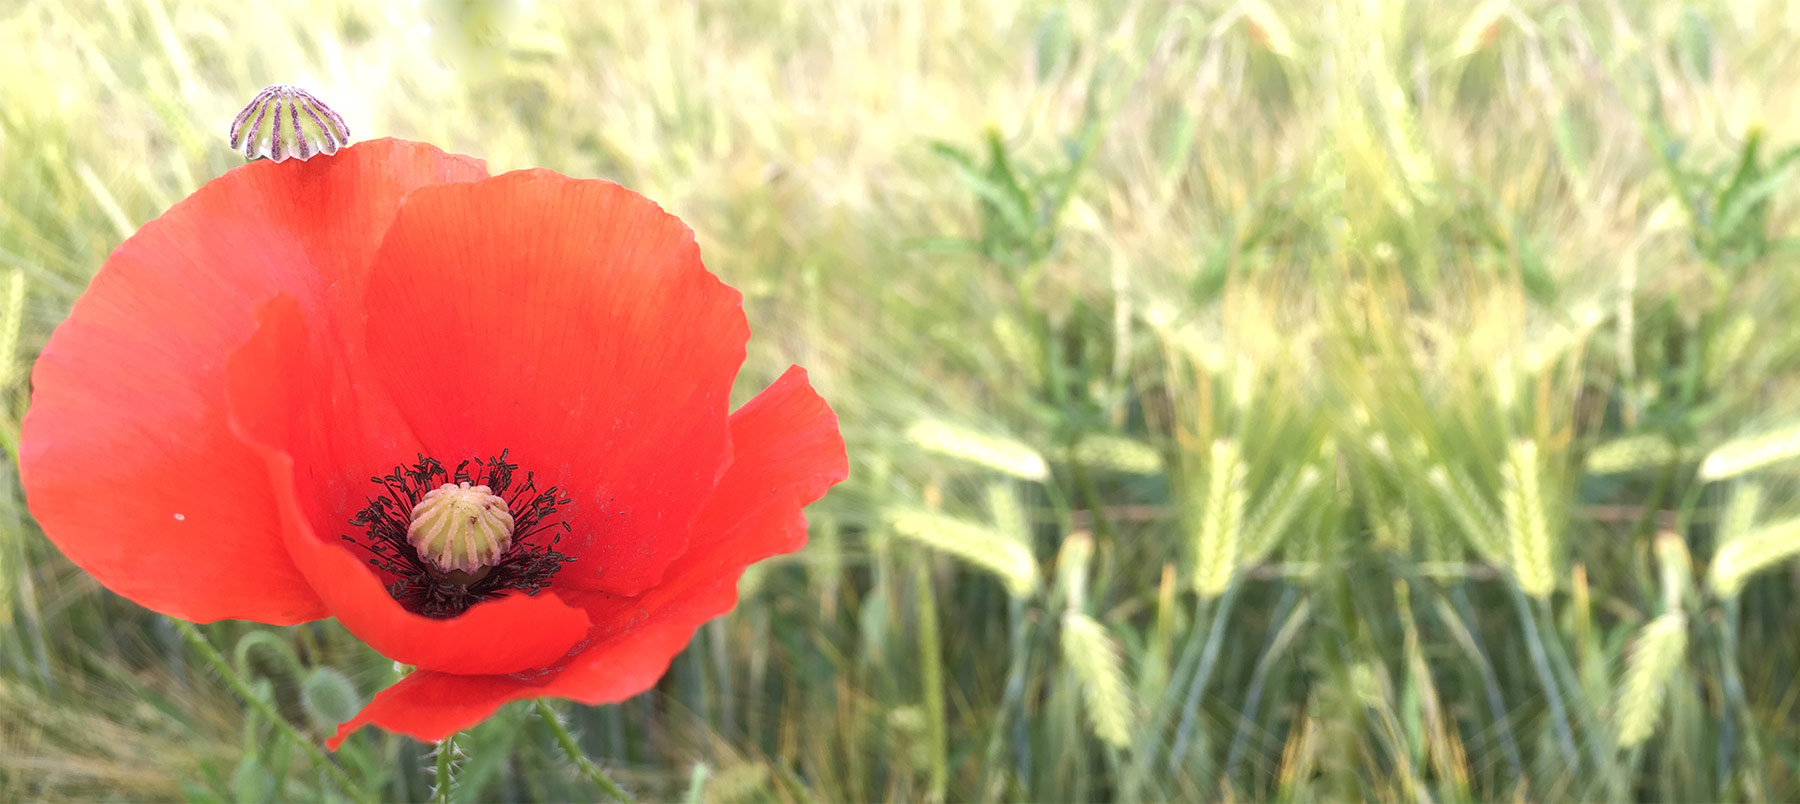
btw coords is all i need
(1531, 554)
(1217, 545)
(1094, 659)
(1654, 660)
(999, 453)
(976, 544)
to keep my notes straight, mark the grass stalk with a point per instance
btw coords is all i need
(1283, 628)
(931, 653)
(1739, 714)
(1465, 627)
(1540, 662)
(1190, 707)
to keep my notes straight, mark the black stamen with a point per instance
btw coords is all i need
(527, 565)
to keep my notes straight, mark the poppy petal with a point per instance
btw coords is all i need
(571, 323)
(322, 433)
(125, 456)
(787, 440)
(789, 452)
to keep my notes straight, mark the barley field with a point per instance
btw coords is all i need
(1245, 400)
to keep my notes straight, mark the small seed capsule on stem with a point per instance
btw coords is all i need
(284, 121)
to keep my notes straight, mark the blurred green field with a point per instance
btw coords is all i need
(1309, 401)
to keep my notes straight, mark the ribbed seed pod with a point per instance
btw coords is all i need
(284, 121)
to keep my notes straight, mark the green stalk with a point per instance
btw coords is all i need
(572, 750)
(1665, 480)
(1215, 639)
(931, 662)
(1755, 786)
(1011, 715)
(1490, 684)
(1149, 744)
(697, 785)
(1591, 733)
(1090, 494)
(1559, 715)
(262, 707)
(444, 782)
(1274, 645)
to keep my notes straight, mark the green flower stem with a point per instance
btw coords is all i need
(444, 782)
(262, 707)
(585, 766)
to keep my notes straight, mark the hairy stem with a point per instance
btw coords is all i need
(572, 749)
(238, 685)
(444, 780)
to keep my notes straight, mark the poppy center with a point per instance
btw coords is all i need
(458, 527)
(446, 541)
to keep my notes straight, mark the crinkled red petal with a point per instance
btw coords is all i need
(570, 322)
(323, 428)
(126, 457)
(788, 453)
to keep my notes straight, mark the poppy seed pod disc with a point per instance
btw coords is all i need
(458, 526)
(285, 121)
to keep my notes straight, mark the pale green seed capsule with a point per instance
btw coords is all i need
(286, 122)
(458, 527)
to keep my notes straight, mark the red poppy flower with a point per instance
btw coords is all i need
(484, 422)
